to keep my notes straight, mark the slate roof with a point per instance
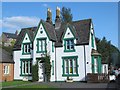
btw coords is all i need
(81, 30)
(30, 31)
(5, 57)
(10, 35)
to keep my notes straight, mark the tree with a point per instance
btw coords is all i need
(66, 15)
(110, 54)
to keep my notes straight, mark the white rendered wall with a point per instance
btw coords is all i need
(49, 47)
(16, 58)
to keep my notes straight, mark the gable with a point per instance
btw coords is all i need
(26, 39)
(68, 33)
(41, 33)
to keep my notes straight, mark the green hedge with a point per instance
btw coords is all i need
(35, 72)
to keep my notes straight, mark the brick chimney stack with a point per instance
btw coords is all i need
(58, 19)
(49, 16)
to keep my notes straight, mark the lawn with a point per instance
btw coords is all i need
(13, 83)
(34, 86)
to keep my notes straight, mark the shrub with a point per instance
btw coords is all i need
(35, 72)
(47, 68)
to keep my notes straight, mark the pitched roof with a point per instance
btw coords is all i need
(50, 30)
(10, 35)
(80, 29)
(5, 57)
(30, 31)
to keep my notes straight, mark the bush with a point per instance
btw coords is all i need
(47, 68)
(35, 72)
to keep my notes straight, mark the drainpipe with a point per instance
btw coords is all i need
(85, 62)
(55, 67)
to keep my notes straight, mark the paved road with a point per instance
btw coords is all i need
(104, 86)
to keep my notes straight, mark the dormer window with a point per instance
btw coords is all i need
(26, 48)
(69, 45)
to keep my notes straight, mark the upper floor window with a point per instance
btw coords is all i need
(41, 45)
(92, 40)
(69, 45)
(26, 48)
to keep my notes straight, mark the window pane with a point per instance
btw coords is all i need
(68, 44)
(40, 45)
(26, 66)
(25, 48)
(4, 70)
(66, 66)
(71, 66)
(43, 45)
(30, 66)
(23, 66)
(75, 66)
(28, 47)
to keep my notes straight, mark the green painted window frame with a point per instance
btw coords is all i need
(63, 66)
(52, 67)
(29, 66)
(92, 40)
(99, 68)
(23, 47)
(45, 47)
(52, 46)
(65, 45)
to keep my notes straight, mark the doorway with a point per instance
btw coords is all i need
(41, 71)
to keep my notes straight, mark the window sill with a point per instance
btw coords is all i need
(26, 53)
(66, 75)
(41, 51)
(69, 50)
(25, 74)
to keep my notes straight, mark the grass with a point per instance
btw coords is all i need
(13, 83)
(34, 86)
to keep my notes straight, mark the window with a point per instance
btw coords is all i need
(92, 40)
(52, 67)
(70, 66)
(6, 69)
(26, 66)
(26, 48)
(41, 45)
(69, 45)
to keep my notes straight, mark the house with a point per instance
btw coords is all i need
(71, 47)
(6, 65)
(8, 39)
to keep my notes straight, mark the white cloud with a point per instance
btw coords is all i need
(18, 22)
(45, 5)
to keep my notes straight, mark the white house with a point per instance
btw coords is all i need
(71, 46)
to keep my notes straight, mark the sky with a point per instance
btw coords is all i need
(17, 15)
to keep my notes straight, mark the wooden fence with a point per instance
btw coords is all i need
(97, 78)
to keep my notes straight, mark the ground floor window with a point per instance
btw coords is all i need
(6, 69)
(96, 64)
(70, 66)
(26, 66)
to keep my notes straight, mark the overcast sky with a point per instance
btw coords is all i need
(104, 16)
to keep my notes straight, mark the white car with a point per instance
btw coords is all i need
(112, 77)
